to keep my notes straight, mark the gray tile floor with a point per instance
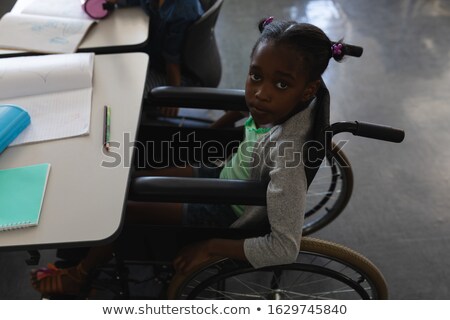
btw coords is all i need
(399, 212)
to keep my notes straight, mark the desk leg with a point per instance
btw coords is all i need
(34, 258)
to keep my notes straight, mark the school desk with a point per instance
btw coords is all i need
(87, 186)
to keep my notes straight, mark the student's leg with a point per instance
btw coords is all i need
(73, 280)
(154, 213)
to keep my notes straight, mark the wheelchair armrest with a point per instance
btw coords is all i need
(196, 190)
(199, 98)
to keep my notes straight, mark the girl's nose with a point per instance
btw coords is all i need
(262, 93)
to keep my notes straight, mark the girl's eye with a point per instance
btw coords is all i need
(254, 77)
(281, 85)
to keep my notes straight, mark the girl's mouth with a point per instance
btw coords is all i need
(258, 109)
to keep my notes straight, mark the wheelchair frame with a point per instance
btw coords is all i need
(347, 273)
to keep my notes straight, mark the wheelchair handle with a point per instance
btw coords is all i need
(369, 130)
(353, 51)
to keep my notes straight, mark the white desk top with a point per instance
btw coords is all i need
(84, 200)
(125, 27)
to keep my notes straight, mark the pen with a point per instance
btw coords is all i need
(106, 127)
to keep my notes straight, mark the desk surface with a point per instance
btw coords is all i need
(125, 30)
(84, 200)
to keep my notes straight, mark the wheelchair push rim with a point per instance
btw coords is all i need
(324, 270)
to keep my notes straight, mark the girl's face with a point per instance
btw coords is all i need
(276, 84)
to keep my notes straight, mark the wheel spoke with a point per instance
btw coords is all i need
(323, 193)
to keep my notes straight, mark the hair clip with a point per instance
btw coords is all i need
(267, 21)
(336, 50)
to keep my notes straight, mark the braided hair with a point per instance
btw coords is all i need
(309, 41)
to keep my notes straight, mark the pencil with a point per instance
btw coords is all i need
(106, 127)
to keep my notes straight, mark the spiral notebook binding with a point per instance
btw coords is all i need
(14, 226)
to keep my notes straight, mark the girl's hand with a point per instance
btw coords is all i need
(191, 256)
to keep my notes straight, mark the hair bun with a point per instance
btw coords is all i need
(264, 22)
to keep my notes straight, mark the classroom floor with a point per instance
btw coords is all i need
(399, 214)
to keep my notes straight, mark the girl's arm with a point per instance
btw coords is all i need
(198, 253)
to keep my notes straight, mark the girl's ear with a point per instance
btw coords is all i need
(310, 90)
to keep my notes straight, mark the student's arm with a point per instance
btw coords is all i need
(286, 197)
(198, 253)
(173, 72)
(172, 47)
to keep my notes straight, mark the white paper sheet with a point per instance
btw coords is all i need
(42, 33)
(56, 8)
(56, 90)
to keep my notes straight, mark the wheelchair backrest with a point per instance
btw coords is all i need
(315, 148)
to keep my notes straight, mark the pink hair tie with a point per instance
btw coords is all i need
(267, 21)
(336, 50)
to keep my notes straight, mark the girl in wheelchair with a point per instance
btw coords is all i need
(285, 71)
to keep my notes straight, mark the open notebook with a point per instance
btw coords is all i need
(21, 195)
(55, 26)
(56, 91)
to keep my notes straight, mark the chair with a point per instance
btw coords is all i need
(201, 58)
(201, 63)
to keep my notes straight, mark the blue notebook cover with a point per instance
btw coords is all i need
(13, 120)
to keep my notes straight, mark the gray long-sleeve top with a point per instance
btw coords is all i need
(277, 158)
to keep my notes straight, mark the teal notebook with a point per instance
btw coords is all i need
(21, 195)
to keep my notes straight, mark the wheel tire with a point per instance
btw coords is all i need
(326, 270)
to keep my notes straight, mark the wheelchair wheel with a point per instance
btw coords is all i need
(323, 270)
(329, 192)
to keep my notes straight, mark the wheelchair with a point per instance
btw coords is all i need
(323, 270)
